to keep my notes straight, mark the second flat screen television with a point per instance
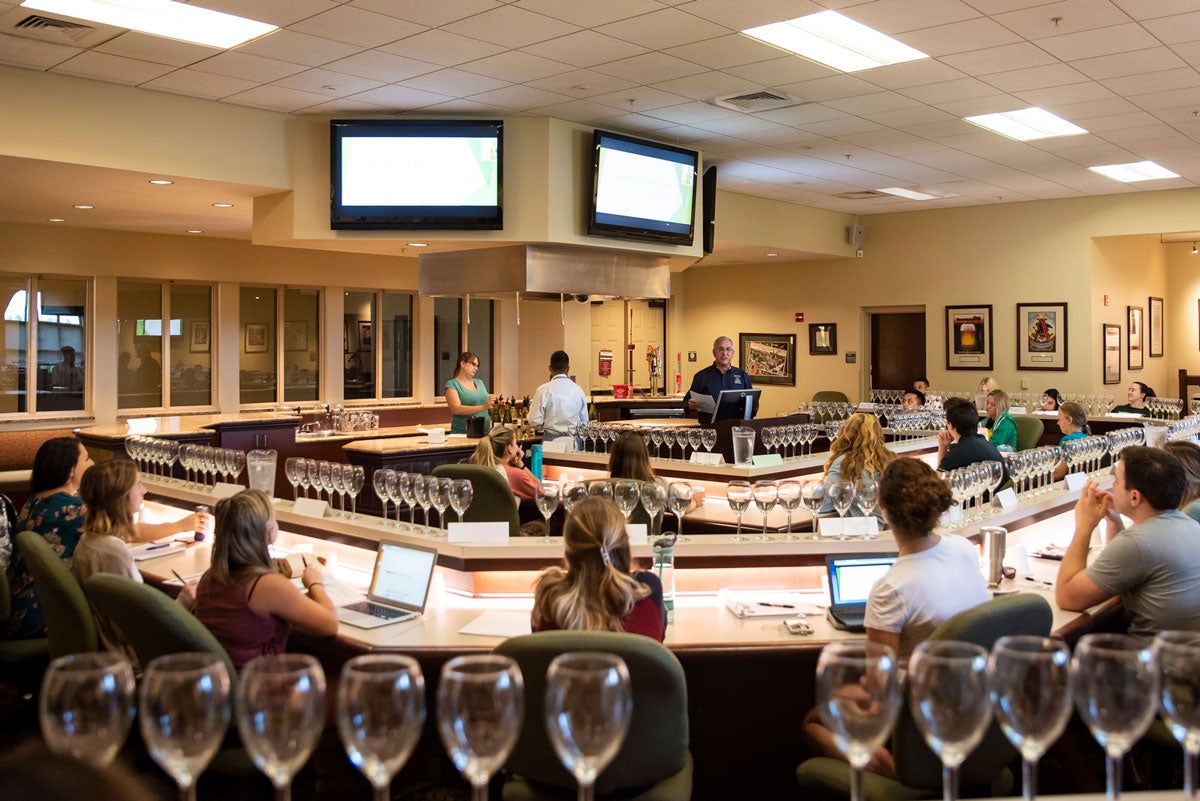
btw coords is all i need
(642, 190)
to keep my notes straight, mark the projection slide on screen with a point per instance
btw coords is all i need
(633, 185)
(419, 171)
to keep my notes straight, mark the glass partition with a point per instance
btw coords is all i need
(301, 344)
(359, 345)
(191, 334)
(395, 341)
(13, 397)
(61, 344)
(139, 345)
(257, 374)
(447, 341)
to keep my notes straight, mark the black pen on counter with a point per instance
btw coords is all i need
(303, 561)
(1033, 580)
(776, 606)
(176, 574)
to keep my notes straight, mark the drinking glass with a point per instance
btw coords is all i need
(625, 493)
(858, 698)
(420, 491)
(461, 495)
(572, 493)
(679, 498)
(1116, 693)
(380, 713)
(788, 492)
(588, 707)
(654, 500)
(866, 492)
(403, 491)
(439, 498)
(948, 695)
(237, 463)
(292, 469)
(325, 481)
(548, 495)
(739, 494)
(668, 438)
(812, 493)
(765, 495)
(337, 484)
(184, 714)
(281, 711)
(1178, 656)
(480, 706)
(304, 475)
(708, 438)
(86, 706)
(841, 493)
(600, 488)
(1029, 679)
(354, 477)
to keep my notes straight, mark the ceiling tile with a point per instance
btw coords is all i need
(1076, 15)
(1189, 52)
(897, 16)
(143, 47)
(275, 12)
(467, 106)
(1153, 59)
(803, 114)
(516, 66)
(739, 15)
(911, 73)
(1000, 59)
(22, 52)
(692, 113)
(960, 37)
(585, 48)
(663, 29)
(1035, 78)
(580, 83)
(1151, 9)
(726, 51)
(1152, 82)
(1071, 93)
(428, 12)
(633, 122)
(908, 117)
(783, 70)
(1174, 98)
(1098, 42)
(833, 88)
(589, 15)
(400, 97)
(707, 85)
(276, 97)
(641, 99)
(299, 48)
(454, 82)
(1114, 122)
(520, 97)
(990, 104)
(318, 82)
(1176, 29)
(511, 27)
(248, 67)
(650, 68)
(576, 111)
(738, 125)
(199, 84)
(381, 66)
(343, 105)
(961, 89)
(842, 125)
(872, 103)
(357, 26)
(442, 47)
(114, 69)
(1077, 112)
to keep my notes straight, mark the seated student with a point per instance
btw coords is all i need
(935, 577)
(598, 591)
(914, 399)
(859, 451)
(961, 443)
(1137, 395)
(1002, 428)
(630, 459)
(247, 605)
(1154, 565)
(499, 449)
(921, 385)
(1051, 400)
(1188, 454)
(1072, 422)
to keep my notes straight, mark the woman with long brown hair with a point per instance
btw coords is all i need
(859, 450)
(499, 450)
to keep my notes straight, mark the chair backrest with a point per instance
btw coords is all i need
(830, 396)
(151, 622)
(1029, 431)
(70, 626)
(916, 765)
(492, 498)
(657, 743)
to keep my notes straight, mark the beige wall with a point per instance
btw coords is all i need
(1128, 270)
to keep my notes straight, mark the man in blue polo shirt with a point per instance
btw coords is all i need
(721, 376)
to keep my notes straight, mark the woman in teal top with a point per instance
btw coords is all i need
(1137, 394)
(467, 396)
(1003, 427)
(1072, 422)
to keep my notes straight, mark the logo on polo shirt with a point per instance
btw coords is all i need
(737, 380)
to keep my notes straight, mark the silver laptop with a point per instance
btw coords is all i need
(399, 587)
(851, 577)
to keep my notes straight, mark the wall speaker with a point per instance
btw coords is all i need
(709, 194)
(854, 234)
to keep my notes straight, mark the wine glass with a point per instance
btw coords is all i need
(354, 476)
(337, 484)
(237, 463)
(304, 475)
(402, 490)
(812, 493)
(866, 492)
(461, 495)
(420, 491)
(325, 481)
(788, 492)
(948, 695)
(281, 711)
(588, 707)
(654, 500)
(1029, 679)
(858, 698)
(184, 714)
(1178, 656)
(439, 498)
(380, 713)
(765, 495)
(708, 438)
(841, 494)
(738, 494)
(548, 494)
(86, 706)
(625, 493)
(679, 498)
(572, 493)
(292, 469)
(480, 705)
(1116, 693)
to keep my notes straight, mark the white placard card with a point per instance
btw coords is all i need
(767, 460)
(495, 531)
(637, 533)
(848, 526)
(1075, 481)
(225, 489)
(1007, 498)
(706, 458)
(951, 516)
(310, 507)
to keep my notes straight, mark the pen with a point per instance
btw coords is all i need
(181, 579)
(1033, 580)
(303, 561)
(776, 606)
(156, 547)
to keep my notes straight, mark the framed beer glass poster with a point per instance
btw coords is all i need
(1041, 336)
(969, 337)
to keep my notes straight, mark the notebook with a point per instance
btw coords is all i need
(851, 577)
(399, 587)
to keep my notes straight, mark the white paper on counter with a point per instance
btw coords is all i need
(637, 533)
(848, 526)
(478, 532)
(499, 624)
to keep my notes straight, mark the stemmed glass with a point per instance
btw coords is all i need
(548, 494)
(325, 480)
(679, 498)
(668, 438)
(739, 494)
(858, 698)
(1116, 693)
(461, 495)
(402, 490)
(866, 492)
(86, 706)
(338, 485)
(184, 714)
(788, 492)
(708, 438)
(380, 713)
(625, 493)
(237, 463)
(948, 695)
(439, 498)
(765, 495)
(654, 500)
(841, 493)
(812, 493)
(588, 707)
(480, 705)
(1029, 679)
(281, 711)
(293, 468)
(353, 476)
(420, 490)
(305, 473)
(1178, 656)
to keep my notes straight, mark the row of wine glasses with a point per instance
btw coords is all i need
(153, 455)
(1117, 684)
(788, 437)
(1165, 408)
(427, 492)
(969, 484)
(766, 495)
(1122, 438)
(1186, 429)
(1085, 453)
(655, 497)
(211, 464)
(1032, 470)
(327, 477)
(914, 424)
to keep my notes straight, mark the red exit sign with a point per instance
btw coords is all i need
(799, 317)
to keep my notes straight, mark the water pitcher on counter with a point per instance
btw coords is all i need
(260, 467)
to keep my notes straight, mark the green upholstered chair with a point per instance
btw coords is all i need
(1029, 431)
(23, 659)
(654, 763)
(985, 771)
(830, 396)
(70, 627)
(492, 499)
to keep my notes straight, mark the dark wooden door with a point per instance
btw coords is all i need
(897, 349)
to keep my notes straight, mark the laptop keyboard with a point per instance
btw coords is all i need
(378, 610)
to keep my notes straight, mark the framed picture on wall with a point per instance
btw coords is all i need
(1156, 327)
(1134, 355)
(1112, 353)
(295, 335)
(969, 337)
(256, 337)
(200, 338)
(365, 340)
(822, 339)
(769, 358)
(1041, 336)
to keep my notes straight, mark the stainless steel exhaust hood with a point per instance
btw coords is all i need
(546, 271)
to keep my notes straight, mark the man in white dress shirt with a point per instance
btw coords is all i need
(559, 402)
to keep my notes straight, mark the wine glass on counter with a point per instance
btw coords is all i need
(292, 469)
(679, 498)
(653, 496)
(625, 493)
(354, 476)
(461, 494)
(548, 494)
(766, 494)
(480, 708)
(588, 707)
(86, 706)
(379, 482)
(380, 713)
(439, 498)
(406, 485)
(738, 494)
(281, 711)
(1178, 656)
(788, 492)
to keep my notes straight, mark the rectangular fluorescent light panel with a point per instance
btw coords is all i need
(1027, 124)
(161, 18)
(908, 193)
(835, 40)
(1137, 171)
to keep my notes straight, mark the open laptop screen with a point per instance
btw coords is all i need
(402, 574)
(852, 577)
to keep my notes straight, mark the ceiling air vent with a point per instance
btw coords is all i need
(55, 30)
(866, 194)
(752, 102)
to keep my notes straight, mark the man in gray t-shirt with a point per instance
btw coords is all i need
(1154, 565)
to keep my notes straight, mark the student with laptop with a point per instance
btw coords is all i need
(242, 598)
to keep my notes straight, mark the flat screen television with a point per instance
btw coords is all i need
(642, 190)
(415, 175)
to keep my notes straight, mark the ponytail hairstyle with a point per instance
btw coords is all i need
(105, 491)
(491, 448)
(1188, 454)
(597, 591)
(913, 497)
(241, 533)
(1076, 414)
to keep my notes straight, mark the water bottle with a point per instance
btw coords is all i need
(535, 461)
(664, 565)
(199, 534)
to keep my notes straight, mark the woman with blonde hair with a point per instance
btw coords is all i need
(112, 493)
(598, 591)
(1002, 428)
(243, 600)
(499, 450)
(859, 450)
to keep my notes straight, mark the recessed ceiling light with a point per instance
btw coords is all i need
(418, 244)
(908, 193)
(173, 20)
(195, 231)
(222, 205)
(83, 206)
(161, 182)
(1027, 124)
(772, 254)
(56, 219)
(1136, 171)
(835, 40)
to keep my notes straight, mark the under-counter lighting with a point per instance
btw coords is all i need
(160, 182)
(418, 244)
(1027, 124)
(195, 231)
(769, 255)
(835, 40)
(60, 219)
(222, 205)
(1134, 171)
(173, 20)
